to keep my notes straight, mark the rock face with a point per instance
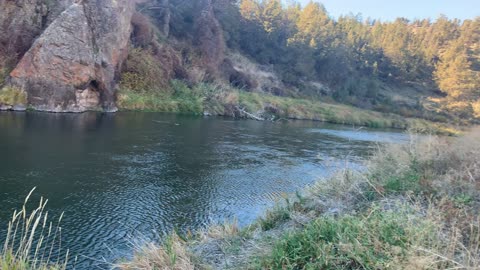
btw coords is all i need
(21, 21)
(69, 53)
(73, 65)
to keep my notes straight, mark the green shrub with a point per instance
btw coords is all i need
(189, 100)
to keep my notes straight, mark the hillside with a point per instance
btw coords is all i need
(257, 59)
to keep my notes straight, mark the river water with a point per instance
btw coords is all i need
(129, 177)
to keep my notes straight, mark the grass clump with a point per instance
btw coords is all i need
(374, 241)
(274, 217)
(10, 95)
(172, 255)
(32, 241)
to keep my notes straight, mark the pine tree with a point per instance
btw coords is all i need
(454, 74)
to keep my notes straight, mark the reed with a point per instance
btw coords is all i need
(33, 242)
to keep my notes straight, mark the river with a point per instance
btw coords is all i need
(129, 177)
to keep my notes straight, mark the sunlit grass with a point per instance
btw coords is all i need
(370, 241)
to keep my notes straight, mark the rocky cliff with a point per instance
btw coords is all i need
(68, 55)
(74, 57)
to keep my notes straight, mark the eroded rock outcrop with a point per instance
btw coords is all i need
(73, 65)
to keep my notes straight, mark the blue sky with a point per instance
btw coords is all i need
(411, 9)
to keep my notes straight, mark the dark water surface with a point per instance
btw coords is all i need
(125, 176)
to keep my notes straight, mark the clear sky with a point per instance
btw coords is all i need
(410, 9)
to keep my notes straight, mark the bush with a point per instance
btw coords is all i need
(3, 75)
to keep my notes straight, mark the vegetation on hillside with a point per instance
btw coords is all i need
(214, 99)
(356, 56)
(416, 69)
(415, 207)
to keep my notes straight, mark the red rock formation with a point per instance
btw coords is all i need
(73, 65)
(72, 53)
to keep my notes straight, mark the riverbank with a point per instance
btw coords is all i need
(415, 207)
(206, 99)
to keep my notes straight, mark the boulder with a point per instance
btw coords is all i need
(74, 64)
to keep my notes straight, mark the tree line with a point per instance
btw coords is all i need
(354, 55)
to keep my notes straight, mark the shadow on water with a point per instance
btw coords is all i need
(126, 176)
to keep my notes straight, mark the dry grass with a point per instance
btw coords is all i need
(476, 109)
(219, 231)
(172, 255)
(437, 179)
(265, 79)
(32, 240)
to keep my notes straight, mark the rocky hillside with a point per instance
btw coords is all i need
(67, 56)
(75, 56)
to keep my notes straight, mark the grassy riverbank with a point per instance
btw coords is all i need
(415, 207)
(217, 100)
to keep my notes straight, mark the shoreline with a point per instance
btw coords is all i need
(396, 214)
(413, 124)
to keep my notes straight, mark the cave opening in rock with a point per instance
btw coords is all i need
(94, 85)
